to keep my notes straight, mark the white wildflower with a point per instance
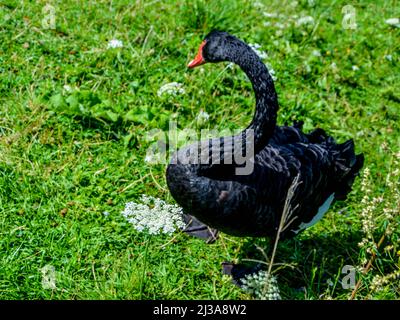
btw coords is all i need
(270, 15)
(266, 23)
(149, 157)
(379, 281)
(202, 117)
(355, 68)
(258, 4)
(272, 72)
(316, 53)
(257, 49)
(256, 285)
(280, 25)
(154, 216)
(334, 67)
(172, 88)
(67, 88)
(393, 22)
(305, 20)
(388, 57)
(106, 213)
(114, 43)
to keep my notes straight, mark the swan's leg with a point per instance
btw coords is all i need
(198, 229)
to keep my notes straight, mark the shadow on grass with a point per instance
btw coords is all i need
(306, 267)
(100, 124)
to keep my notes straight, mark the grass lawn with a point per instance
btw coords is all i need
(75, 117)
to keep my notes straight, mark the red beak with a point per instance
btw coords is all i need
(198, 60)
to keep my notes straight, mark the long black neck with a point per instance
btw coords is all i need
(264, 120)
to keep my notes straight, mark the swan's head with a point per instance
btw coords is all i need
(217, 46)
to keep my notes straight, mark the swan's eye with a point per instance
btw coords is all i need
(199, 59)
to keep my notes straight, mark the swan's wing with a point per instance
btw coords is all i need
(276, 167)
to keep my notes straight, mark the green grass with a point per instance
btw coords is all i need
(66, 157)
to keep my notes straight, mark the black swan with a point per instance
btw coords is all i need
(216, 197)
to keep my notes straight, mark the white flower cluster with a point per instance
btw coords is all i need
(270, 14)
(154, 216)
(114, 43)
(379, 282)
(388, 57)
(367, 213)
(257, 49)
(286, 21)
(304, 20)
(388, 203)
(271, 71)
(263, 56)
(202, 117)
(67, 88)
(261, 286)
(258, 4)
(172, 88)
(316, 53)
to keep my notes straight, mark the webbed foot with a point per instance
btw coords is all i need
(198, 229)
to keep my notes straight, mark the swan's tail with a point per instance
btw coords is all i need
(347, 167)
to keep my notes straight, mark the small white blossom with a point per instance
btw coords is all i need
(393, 22)
(258, 4)
(316, 53)
(106, 213)
(67, 88)
(172, 88)
(305, 20)
(280, 25)
(272, 72)
(154, 216)
(202, 117)
(270, 15)
(149, 157)
(256, 48)
(261, 286)
(389, 57)
(355, 68)
(114, 43)
(311, 3)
